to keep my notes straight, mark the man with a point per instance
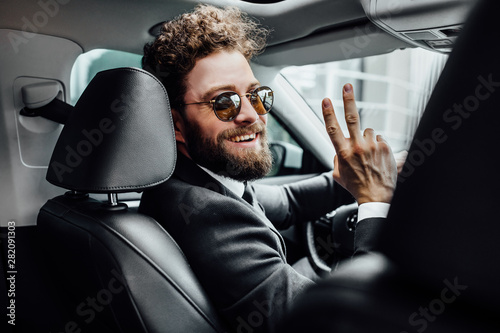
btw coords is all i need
(226, 226)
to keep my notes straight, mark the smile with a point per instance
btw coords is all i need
(243, 138)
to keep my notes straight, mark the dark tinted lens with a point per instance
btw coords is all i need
(227, 106)
(262, 99)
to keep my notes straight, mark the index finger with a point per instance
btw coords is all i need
(332, 126)
(351, 113)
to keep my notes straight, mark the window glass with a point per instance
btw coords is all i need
(287, 154)
(276, 132)
(87, 65)
(391, 90)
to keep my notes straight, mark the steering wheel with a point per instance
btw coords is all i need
(324, 254)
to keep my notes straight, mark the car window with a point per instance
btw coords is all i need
(284, 148)
(391, 90)
(88, 64)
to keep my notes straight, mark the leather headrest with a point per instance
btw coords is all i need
(443, 224)
(119, 138)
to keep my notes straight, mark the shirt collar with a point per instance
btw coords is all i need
(234, 186)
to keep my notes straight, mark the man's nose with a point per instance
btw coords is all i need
(247, 113)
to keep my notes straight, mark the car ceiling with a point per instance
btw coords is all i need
(299, 27)
(94, 23)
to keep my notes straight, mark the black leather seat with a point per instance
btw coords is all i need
(119, 270)
(437, 266)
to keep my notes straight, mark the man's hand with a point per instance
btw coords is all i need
(364, 164)
(400, 159)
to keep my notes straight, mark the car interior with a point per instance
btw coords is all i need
(85, 130)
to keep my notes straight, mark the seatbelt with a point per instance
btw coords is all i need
(56, 110)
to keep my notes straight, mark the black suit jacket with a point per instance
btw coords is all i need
(232, 243)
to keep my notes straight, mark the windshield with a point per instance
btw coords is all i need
(391, 90)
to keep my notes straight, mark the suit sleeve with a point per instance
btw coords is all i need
(367, 234)
(310, 199)
(300, 201)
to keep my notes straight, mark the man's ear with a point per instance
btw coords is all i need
(178, 126)
(180, 130)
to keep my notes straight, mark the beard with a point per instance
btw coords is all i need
(243, 165)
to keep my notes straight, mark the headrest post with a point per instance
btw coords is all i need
(112, 204)
(112, 199)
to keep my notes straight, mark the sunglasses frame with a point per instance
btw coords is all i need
(247, 95)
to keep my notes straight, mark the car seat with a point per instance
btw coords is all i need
(118, 270)
(436, 265)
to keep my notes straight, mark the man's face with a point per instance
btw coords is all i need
(237, 149)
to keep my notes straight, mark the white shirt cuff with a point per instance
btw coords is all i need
(372, 210)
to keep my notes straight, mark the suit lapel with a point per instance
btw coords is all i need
(250, 197)
(189, 172)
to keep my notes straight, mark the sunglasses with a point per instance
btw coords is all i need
(227, 105)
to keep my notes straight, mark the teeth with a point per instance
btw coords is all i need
(246, 137)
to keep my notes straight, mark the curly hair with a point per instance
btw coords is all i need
(195, 35)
